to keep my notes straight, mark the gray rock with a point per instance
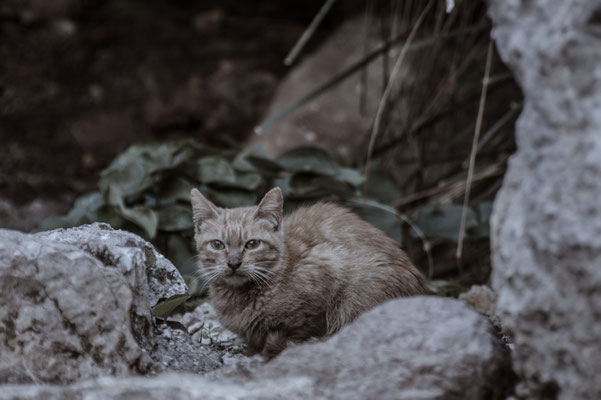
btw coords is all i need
(63, 315)
(480, 298)
(545, 224)
(333, 119)
(145, 268)
(168, 386)
(413, 348)
(75, 304)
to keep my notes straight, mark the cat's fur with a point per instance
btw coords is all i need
(313, 271)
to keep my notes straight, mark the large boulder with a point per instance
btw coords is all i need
(332, 120)
(168, 386)
(76, 304)
(413, 348)
(545, 224)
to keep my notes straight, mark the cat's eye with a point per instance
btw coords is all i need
(252, 244)
(217, 245)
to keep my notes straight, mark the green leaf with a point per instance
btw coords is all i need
(380, 218)
(255, 159)
(142, 216)
(349, 175)
(84, 211)
(304, 185)
(232, 198)
(247, 181)
(164, 308)
(284, 184)
(111, 216)
(179, 251)
(265, 165)
(443, 220)
(380, 186)
(308, 159)
(132, 171)
(446, 288)
(113, 196)
(176, 189)
(175, 218)
(329, 185)
(215, 169)
(482, 230)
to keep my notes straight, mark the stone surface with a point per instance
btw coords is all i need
(413, 348)
(545, 224)
(145, 268)
(76, 303)
(75, 309)
(204, 326)
(169, 386)
(333, 119)
(481, 298)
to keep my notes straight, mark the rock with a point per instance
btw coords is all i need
(412, 348)
(63, 315)
(75, 304)
(480, 298)
(145, 268)
(204, 326)
(168, 386)
(545, 223)
(333, 119)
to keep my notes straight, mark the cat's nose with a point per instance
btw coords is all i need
(234, 263)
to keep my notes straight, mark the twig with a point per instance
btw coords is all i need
(470, 172)
(450, 188)
(393, 76)
(356, 66)
(308, 32)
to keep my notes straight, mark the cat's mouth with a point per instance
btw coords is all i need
(235, 278)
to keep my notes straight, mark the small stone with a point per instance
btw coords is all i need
(480, 298)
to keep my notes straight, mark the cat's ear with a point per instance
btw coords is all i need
(202, 209)
(270, 208)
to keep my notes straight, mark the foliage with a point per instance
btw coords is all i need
(146, 189)
(432, 124)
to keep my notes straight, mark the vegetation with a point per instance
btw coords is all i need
(444, 151)
(146, 190)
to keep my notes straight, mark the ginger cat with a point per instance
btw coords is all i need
(275, 280)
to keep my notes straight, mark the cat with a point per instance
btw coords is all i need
(276, 280)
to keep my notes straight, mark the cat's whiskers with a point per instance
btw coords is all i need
(264, 267)
(211, 272)
(260, 275)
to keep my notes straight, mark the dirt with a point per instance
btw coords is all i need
(82, 80)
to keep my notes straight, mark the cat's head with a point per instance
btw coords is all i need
(238, 246)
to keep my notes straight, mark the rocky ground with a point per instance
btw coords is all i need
(77, 320)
